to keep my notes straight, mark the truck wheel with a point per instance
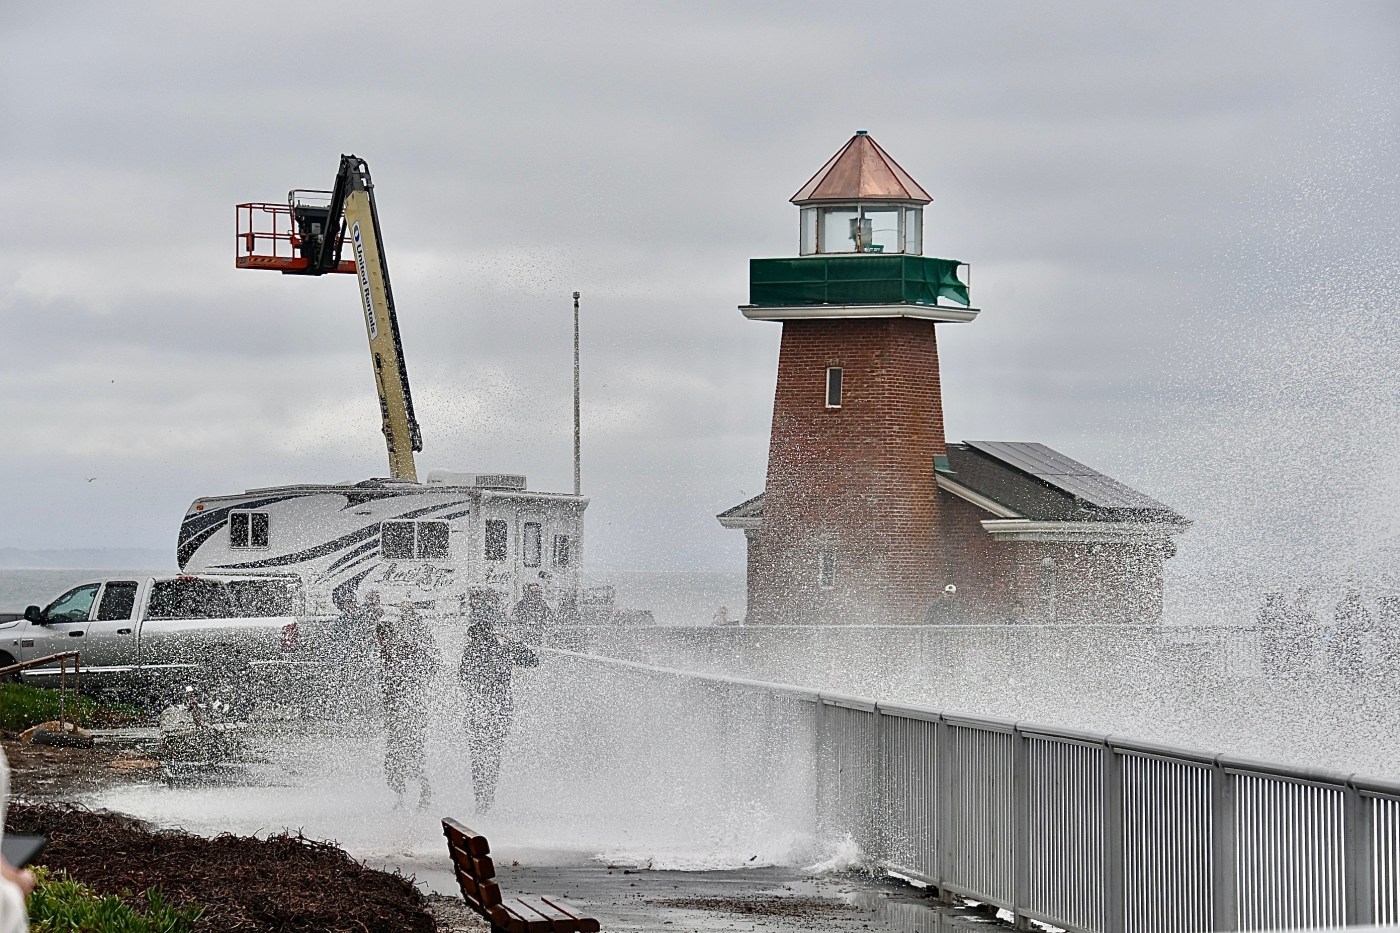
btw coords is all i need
(5, 661)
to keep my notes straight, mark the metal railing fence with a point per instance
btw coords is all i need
(1083, 831)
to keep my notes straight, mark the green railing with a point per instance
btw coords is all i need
(855, 280)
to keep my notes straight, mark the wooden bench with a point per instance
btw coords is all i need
(476, 874)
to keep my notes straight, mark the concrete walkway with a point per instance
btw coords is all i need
(756, 900)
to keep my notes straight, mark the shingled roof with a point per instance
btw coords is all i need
(861, 170)
(1022, 480)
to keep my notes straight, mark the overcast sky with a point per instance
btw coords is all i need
(1181, 219)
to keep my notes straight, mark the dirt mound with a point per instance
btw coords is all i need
(281, 883)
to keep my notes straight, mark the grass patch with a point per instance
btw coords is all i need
(23, 705)
(61, 905)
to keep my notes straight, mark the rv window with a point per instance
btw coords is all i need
(496, 538)
(118, 599)
(247, 529)
(413, 540)
(189, 599)
(561, 550)
(432, 540)
(396, 540)
(530, 544)
(255, 599)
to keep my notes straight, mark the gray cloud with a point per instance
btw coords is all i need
(1180, 220)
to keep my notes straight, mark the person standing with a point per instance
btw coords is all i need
(532, 614)
(409, 659)
(486, 669)
(1273, 624)
(1353, 622)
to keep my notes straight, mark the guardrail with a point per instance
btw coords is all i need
(1083, 831)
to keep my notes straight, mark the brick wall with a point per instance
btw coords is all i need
(855, 481)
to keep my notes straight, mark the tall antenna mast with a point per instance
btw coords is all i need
(577, 447)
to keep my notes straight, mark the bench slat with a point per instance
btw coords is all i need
(524, 920)
(560, 920)
(475, 843)
(581, 923)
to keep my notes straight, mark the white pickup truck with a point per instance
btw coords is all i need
(142, 631)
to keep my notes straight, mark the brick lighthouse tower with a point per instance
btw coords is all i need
(850, 515)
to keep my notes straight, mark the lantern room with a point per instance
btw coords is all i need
(861, 201)
(861, 235)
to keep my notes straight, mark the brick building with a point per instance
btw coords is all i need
(868, 513)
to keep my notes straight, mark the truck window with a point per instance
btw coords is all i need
(118, 599)
(530, 545)
(265, 598)
(496, 538)
(248, 529)
(74, 605)
(561, 550)
(190, 599)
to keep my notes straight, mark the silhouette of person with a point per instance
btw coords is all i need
(532, 613)
(1273, 624)
(409, 658)
(486, 669)
(1353, 622)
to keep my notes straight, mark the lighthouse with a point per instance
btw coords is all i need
(868, 513)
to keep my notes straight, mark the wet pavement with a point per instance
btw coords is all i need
(756, 900)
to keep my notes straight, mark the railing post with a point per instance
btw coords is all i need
(1114, 910)
(1360, 853)
(1224, 888)
(819, 764)
(1020, 828)
(878, 796)
(943, 807)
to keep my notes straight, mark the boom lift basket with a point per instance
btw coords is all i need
(280, 236)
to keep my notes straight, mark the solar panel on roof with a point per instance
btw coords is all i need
(1069, 475)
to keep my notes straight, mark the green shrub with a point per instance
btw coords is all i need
(60, 905)
(22, 706)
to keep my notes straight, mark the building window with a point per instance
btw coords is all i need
(826, 569)
(833, 387)
(530, 544)
(413, 540)
(562, 547)
(247, 529)
(496, 538)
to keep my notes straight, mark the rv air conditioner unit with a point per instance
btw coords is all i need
(480, 480)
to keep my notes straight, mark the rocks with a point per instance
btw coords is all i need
(53, 732)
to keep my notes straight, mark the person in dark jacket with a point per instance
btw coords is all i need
(488, 663)
(409, 658)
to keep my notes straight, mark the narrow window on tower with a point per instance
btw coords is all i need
(826, 568)
(833, 387)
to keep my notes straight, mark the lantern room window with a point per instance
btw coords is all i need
(862, 228)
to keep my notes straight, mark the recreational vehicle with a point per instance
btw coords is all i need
(427, 544)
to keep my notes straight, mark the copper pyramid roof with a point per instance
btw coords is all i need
(864, 171)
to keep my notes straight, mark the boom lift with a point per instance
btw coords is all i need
(308, 236)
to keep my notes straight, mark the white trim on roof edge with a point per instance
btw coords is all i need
(976, 498)
(818, 312)
(1023, 529)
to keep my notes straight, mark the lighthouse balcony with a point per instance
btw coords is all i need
(860, 285)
